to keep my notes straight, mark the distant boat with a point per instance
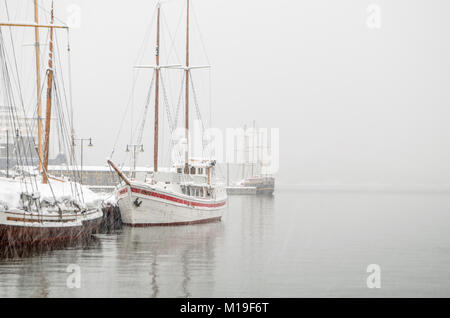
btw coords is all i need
(253, 185)
(258, 182)
(188, 192)
(38, 209)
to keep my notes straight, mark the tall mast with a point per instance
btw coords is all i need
(49, 103)
(228, 174)
(244, 152)
(38, 82)
(261, 153)
(258, 152)
(155, 153)
(186, 166)
(253, 148)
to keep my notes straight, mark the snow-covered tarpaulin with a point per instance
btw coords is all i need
(55, 192)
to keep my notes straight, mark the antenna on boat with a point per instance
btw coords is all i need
(186, 164)
(49, 102)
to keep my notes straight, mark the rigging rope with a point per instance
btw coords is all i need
(19, 140)
(135, 77)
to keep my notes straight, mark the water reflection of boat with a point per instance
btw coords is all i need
(180, 261)
(25, 250)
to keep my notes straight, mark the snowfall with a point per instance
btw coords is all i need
(53, 193)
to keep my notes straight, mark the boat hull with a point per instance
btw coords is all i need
(265, 190)
(241, 190)
(155, 208)
(254, 186)
(26, 230)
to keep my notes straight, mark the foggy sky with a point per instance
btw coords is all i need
(354, 105)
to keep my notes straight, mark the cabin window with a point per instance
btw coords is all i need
(200, 170)
(193, 170)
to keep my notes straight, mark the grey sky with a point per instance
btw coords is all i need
(354, 105)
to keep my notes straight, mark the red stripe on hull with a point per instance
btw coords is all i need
(217, 219)
(173, 199)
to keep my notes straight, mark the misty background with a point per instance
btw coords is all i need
(355, 105)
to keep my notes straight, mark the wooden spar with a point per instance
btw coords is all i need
(38, 82)
(121, 175)
(49, 104)
(155, 152)
(186, 165)
(33, 25)
(209, 175)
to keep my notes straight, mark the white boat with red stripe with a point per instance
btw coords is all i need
(186, 194)
(172, 198)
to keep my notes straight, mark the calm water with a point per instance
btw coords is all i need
(296, 244)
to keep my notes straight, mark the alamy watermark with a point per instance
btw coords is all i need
(374, 279)
(259, 146)
(73, 16)
(74, 278)
(373, 20)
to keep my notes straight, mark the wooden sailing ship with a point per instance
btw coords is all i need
(38, 209)
(257, 182)
(186, 194)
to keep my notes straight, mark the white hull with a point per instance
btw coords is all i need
(158, 208)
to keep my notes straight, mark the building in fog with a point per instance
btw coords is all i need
(18, 142)
(94, 176)
(15, 141)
